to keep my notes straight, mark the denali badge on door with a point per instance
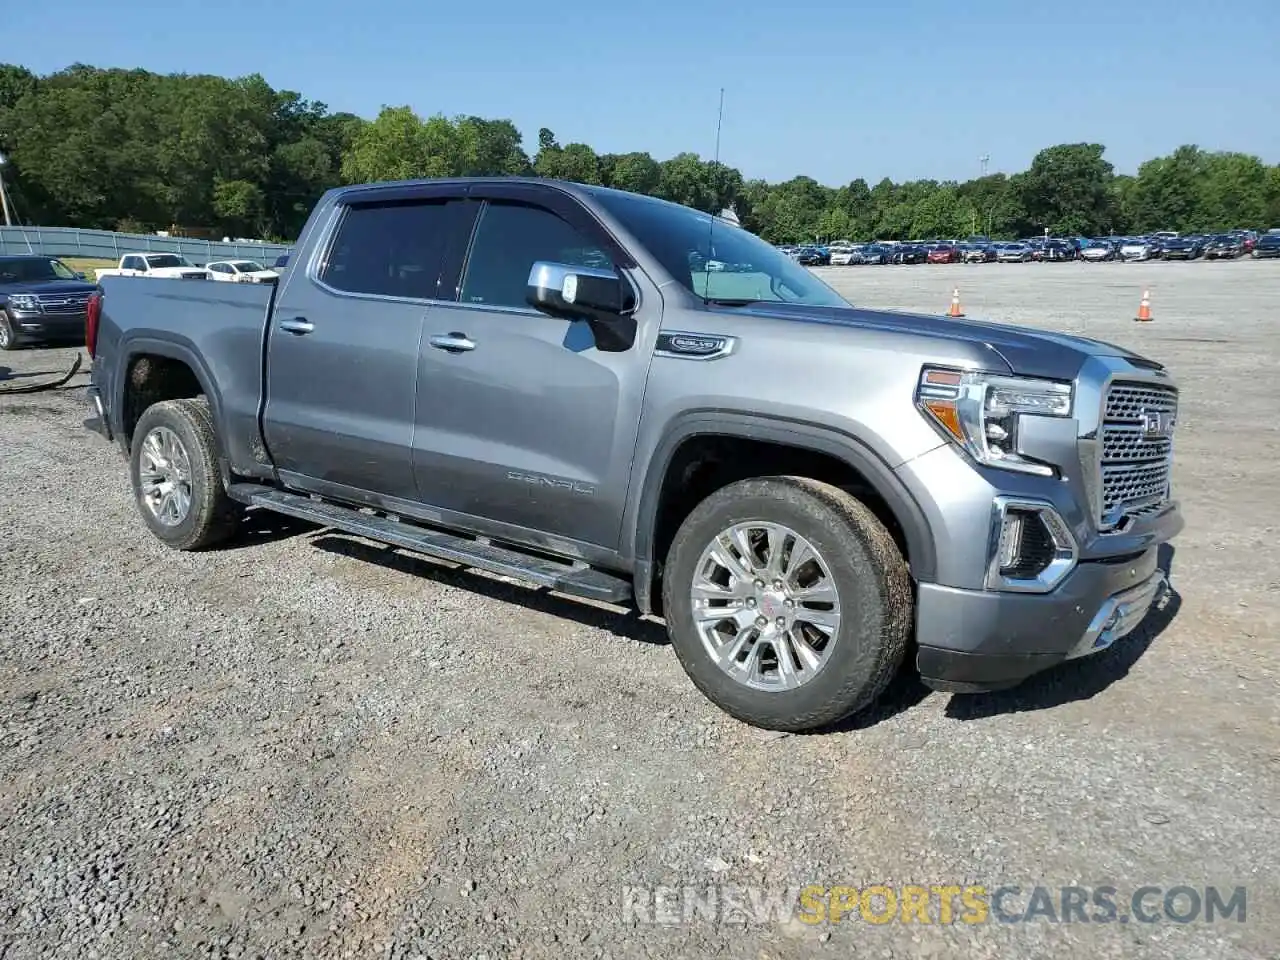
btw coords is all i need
(694, 346)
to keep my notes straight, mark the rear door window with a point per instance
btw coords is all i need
(390, 249)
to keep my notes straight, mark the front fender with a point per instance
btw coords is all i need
(751, 426)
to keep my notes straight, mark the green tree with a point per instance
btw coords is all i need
(1068, 189)
(1166, 193)
(1234, 191)
(97, 147)
(686, 179)
(239, 204)
(400, 145)
(1272, 217)
(637, 172)
(15, 83)
(794, 210)
(497, 149)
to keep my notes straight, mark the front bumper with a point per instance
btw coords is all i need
(38, 325)
(972, 640)
(977, 630)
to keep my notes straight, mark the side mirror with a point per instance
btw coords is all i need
(81, 275)
(577, 293)
(598, 296)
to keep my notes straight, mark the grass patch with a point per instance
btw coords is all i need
(86, 265)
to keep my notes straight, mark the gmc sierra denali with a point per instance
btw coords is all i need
(544, 379)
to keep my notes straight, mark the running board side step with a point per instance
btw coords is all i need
(580, 581)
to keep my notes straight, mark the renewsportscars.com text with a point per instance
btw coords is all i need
(935, 904)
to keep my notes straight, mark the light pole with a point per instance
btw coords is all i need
(4, 196)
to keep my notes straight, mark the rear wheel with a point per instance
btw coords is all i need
(787, 601)
(176, 478)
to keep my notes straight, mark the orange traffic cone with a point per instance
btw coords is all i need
(955, 310)
(1144, 308)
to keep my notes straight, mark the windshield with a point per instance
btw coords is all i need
(34, 270)
(167, 260)
(683, 240)
(247, 266)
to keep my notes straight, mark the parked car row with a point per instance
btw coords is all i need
(1165, 245)
(42, 299)
(173, 266)
(1222, 246)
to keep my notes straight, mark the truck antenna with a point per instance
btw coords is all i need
(715, 164)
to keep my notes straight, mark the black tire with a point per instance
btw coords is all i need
(213, 517)
(8, 335)
(870, 577)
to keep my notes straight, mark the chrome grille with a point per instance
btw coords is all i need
(1129, 401)
(1126, 443)
(72, 303)
(1137, 449)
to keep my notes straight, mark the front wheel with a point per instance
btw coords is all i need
(787, 602)
(176, 478)
(8, 336)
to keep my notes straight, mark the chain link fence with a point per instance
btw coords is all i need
(108, 245)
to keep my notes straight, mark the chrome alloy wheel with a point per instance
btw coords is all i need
(164, 473)
(765, 606)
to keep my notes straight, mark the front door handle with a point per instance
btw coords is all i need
(298, 325)
(453, 342)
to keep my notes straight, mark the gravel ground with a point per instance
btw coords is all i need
(309, 746)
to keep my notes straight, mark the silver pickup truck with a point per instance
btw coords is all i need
(549, 381)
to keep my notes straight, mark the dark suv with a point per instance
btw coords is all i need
(41, 299)
(1267, 247)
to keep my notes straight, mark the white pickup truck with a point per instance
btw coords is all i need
(169, 266)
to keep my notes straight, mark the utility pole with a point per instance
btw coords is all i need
(983, 160)
(4, 196)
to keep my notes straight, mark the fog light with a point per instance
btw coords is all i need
(1010, 539)
(1031, 549)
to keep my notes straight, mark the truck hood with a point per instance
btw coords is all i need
(1028, 352)
(50, 287)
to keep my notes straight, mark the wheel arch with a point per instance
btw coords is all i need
(841, 456)
(168, 359)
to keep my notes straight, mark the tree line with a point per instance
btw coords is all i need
(134, 150)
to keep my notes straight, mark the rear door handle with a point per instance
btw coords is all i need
(298, 325)
(453, 342)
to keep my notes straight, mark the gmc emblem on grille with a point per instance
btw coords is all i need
(1156, 425)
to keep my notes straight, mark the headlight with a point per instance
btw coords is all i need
(981, 412)
(24, 301)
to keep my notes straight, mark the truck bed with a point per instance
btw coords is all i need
(217, 329)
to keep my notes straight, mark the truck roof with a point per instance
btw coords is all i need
(395, 186)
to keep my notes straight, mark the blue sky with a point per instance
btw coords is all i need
(899, 88)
